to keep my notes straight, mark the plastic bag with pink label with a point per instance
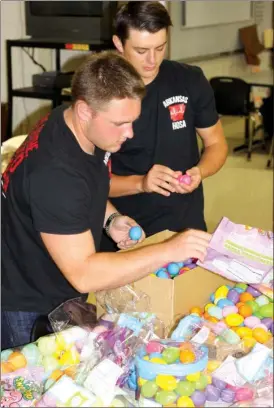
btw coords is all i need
(242, 254)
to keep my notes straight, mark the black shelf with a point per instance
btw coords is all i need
(40, 93)
(48, 43)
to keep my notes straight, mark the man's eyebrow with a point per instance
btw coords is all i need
(143, 48)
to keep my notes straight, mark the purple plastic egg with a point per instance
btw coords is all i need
(212, 393)
(220, 384)
(228, 395)
(233, 295)
(198, 398)
(251, 321)
(272, 328)
(268, 322)
(244, 394)
(254, 292)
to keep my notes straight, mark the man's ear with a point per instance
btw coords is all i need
(83, 111)
(118, 43)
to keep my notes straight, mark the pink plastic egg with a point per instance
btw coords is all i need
(252, 321)
(219, 327)
(185, 178)
(227, 310)
(154, 347)
(244, 394)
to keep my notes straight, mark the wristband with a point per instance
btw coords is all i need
(108, 222)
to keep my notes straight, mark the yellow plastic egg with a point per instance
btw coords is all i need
(208, 305)
(234, 319)
(243, 332)
(209, 379)
(166, 382)
(141, 381)
(146, 358)
(193, 377)
(260, 335)
(249, 342)
(221, 292)
(185, 402)
(157, 360)
(212, 365)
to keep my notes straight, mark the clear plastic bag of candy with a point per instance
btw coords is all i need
(21, 388)
(123, 300)
(241, 253)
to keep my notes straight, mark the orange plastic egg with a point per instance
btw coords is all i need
(17, 359)
(186, 346)
(187, 356)
(239, 304)
(197, 310)
(212, 319)
(6, 367)
(260, 335)
(56, 374)
(245, 311)
(245, 296)
(249, 342)
(206, 315)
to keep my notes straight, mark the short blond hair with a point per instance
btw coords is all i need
(105, 76)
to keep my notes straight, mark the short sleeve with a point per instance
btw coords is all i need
(60, 201)
(203, 101)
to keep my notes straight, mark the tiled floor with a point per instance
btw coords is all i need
(241, 190)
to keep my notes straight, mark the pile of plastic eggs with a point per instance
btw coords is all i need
(243, 309)
(173, 269)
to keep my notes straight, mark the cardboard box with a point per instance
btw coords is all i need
(172, 298)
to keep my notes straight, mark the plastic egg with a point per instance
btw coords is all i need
(187, 356)
(198, 398)
(241, 285)
(219, 327)
(171, 354)
(149, 389)
(260, 335)
(47, 345)
(244, 297)
(212, 393)
(245, 310)
(5, 354)
(266, 310)
(17, 359)
(173, 269)
(249, 342)
(234, 319)
(231, 337)
(135, 233)
(244, 394)
(193, 377)
(185, 178)
(155, 355)
(185, 402)
(50, 363)
(157, 360)
(258, 314)
(154, 347)
(166, 382)
(196, 310)
(244, 332)
(267, 321)
(224, 302)
(146, 358)
(254, 306)
(212, 365)
(141, 381)
(215, 311)
(262, 300)
(227, 395)
(221, 292)
(239, 290)
(208, 305)
(254, 292)
(262, 326)
(227, 310)
(32, 354)
(220, 384)
(251, 321)
(201, 383)
(163, 274)
(7, 367)
(165, 397)
(233, 296)
(186, 345)
(185, 388)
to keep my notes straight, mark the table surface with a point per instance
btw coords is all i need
(263, 78)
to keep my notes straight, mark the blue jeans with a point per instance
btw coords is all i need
(16, 328)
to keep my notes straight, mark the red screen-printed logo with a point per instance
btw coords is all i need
(30, 143)
(177, 112)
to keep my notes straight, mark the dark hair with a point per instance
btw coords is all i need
(150, 16)
(105, 76)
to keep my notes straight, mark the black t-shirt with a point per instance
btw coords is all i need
(179, 100)
(50, 186)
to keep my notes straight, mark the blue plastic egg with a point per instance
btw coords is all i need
(163, 274)
(224, 302)
(135, 233)
(173, 268)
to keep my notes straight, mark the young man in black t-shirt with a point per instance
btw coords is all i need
(54, 203)
(179, 103)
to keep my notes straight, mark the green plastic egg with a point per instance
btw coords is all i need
(149, 389)
(266, 310)
(201, 383)
(185, 388)
(171, 354)
(262, 300)
(254, 305)
(241, 285)
(258, 314)
(165, 397)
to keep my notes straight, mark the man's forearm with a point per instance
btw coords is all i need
(125, 185)
(112, 270)
(213, 158)
(110, 209)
